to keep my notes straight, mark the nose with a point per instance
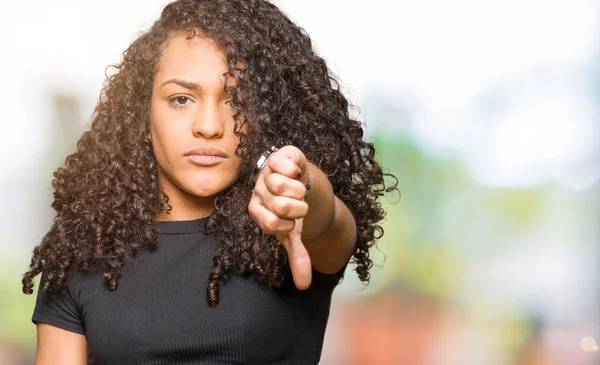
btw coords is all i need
(208, 123)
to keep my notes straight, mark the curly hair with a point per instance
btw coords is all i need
(107, 195)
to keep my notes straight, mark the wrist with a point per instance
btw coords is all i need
(308, 186)
(321, 207)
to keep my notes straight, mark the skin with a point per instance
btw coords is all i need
(318, 232)
(186, 117)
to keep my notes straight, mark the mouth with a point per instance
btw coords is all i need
(207, 151)
(206, 156)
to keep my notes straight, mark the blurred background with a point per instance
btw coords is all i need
(487, 111)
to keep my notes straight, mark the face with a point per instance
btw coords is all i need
(192, 124)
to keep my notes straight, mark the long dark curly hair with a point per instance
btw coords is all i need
(107, 194)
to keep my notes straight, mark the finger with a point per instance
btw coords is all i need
(280, 185)
(298, 257)
(295, 154)
(285, 208)
(284, 165)
(268, 222)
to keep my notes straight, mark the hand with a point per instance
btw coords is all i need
(278, 206)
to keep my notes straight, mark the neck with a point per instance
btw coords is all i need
(185, 206)
(181, 215)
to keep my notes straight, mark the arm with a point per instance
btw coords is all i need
(329, 233)
(58, 346)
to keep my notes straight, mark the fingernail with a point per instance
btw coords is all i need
(299, 176)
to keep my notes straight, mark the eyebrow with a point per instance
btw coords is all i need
(186, 84)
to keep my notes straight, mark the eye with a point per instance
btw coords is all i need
(179, 101)
(228, 102)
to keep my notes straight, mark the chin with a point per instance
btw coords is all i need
(207, 189)
(204, 192)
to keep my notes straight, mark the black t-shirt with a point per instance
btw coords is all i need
(159, 313)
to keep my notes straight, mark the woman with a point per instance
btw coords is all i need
(213, 204)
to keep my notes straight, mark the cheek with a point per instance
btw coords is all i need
(162, 136)
(158, 140)
(237, 166)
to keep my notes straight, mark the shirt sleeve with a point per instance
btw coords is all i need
(57, 308)
(327, 282)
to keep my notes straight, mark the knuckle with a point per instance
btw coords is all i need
(278, 185)
(252, 208)
(281, 207)
(273, 160)
(271, 224)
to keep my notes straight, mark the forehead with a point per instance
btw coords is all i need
(198, 59)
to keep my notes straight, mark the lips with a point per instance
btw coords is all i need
(206, 156)
(207, 152)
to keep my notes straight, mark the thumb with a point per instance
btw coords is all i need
(298, 257)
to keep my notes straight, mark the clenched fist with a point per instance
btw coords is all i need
(278, 206)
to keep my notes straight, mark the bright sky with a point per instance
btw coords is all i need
(440, 58)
